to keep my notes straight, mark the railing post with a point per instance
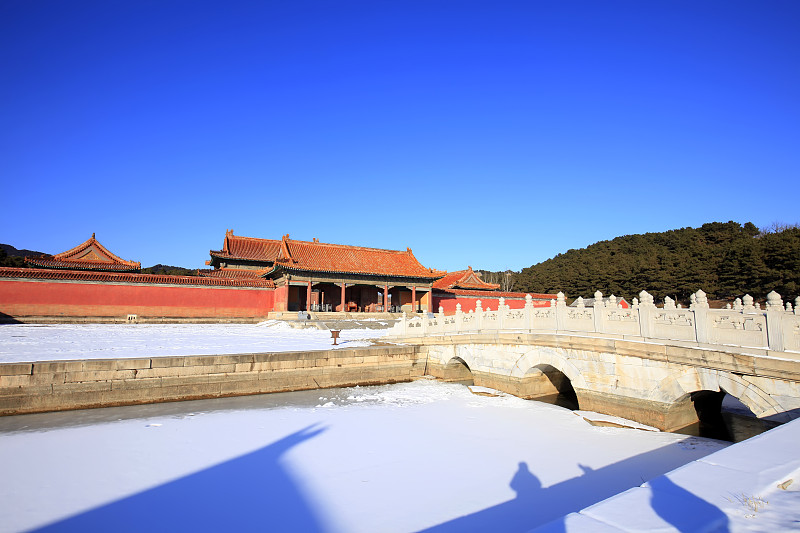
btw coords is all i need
(561, 311)
(700, 307)
(529, 312)
(478, 316)
(501, 311)
(599, 315)
(646, 306)
(459, 319)
(775, 313)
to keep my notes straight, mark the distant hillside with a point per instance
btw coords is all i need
(11, 257)
(725, 260)
(169, 270)
(13, 252)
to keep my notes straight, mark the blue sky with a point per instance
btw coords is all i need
(491, 134)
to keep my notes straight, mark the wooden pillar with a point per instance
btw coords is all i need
(413, 299)
(386, 298)
(343, 287)
(308, 296)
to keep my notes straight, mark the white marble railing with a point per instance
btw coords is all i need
(744, 323)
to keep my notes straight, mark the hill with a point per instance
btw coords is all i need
(726, 260)
(11, 257)
(169, 270)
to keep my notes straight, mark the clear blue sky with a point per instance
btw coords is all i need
(493, 134)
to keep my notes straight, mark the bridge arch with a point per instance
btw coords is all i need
(547, 356)
(457, 370)
(548, 373)
(680, 386)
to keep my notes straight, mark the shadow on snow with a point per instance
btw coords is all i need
(535, 506)
(249, 493)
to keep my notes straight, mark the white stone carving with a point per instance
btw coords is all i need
(579, 313)
(673, 319)
(742, 324)
(646, 299)
(774, 301)
(700, 300)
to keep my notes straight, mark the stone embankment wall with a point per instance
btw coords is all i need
(62, 385)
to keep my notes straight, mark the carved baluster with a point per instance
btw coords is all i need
(561, 311)
(647, 308)
(702, 327)
(529, 312)
(774, 313)
(599, 313)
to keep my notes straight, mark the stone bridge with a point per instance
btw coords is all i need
(663, 367)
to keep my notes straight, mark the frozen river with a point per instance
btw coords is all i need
(404, 457)
(421, 456)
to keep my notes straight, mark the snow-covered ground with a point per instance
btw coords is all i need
(37, 342)
(753, 486)
(405, 457)
(408, 457)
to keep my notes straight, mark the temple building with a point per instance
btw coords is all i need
(318, 276)
(88, 281)
(89, 255)
(251, 279)
(465, 288)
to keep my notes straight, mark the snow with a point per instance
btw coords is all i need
(600, 419)
(406, 457)
(749, 487)
(35, 342)
(409, 457)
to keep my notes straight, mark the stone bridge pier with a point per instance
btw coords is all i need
(650, 383)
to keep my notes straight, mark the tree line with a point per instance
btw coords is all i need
(726, 260)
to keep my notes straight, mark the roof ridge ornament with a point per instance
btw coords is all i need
(286, 254)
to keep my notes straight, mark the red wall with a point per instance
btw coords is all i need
(281, 298)
(48, 298)
(468, 303)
